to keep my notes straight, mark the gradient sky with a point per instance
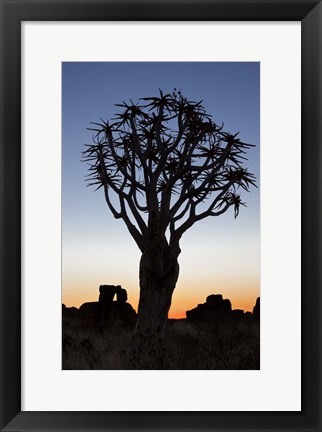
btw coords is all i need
(219, 254)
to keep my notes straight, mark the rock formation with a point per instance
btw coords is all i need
(107, 293)
(107, 311)
(121, 294)
(256, 310)
(69, 314)
(216, 308)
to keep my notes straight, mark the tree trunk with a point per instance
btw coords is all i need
(159, 271)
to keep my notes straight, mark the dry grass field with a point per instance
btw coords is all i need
(230, 343)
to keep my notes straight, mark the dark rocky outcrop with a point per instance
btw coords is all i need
(69, 310)
(107, 311)
(69, 314)
(120, 312)
(121, 295)
(107, 293)
(216, 308)
(90, 312)
(216, 302)
(256, 310)
(237, 313)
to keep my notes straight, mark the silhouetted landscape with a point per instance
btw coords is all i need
(98, 335)
(163, 165)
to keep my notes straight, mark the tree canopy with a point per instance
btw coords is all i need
(164, 162)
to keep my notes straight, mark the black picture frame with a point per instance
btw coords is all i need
(14, 12)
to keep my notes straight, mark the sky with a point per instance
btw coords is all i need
(220, 255)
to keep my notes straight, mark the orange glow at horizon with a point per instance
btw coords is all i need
(211, 262)
(219, 255)
(185, 297)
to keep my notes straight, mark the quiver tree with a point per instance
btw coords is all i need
(164, 165)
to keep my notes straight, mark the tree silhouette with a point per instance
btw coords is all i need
(164, 165)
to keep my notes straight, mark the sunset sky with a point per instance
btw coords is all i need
(219, 255)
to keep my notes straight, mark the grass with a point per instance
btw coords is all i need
(227, 344)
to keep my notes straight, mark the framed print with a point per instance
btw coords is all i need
(184, 294)
(199, 337)
(114, 308)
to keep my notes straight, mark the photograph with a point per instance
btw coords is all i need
(160, 216)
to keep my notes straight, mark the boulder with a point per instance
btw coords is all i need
(215, 309)
(256, 310)
(107, 293)
(237, 313)
(69, 314)
(119, 313)
(107, 313)
(214, 301)
(226, 305)
(91, 312)
(121, 295)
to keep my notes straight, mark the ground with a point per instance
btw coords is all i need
(231, 343)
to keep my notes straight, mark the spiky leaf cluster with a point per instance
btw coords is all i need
(165, 157)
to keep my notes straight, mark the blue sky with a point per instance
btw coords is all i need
(218, 254)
